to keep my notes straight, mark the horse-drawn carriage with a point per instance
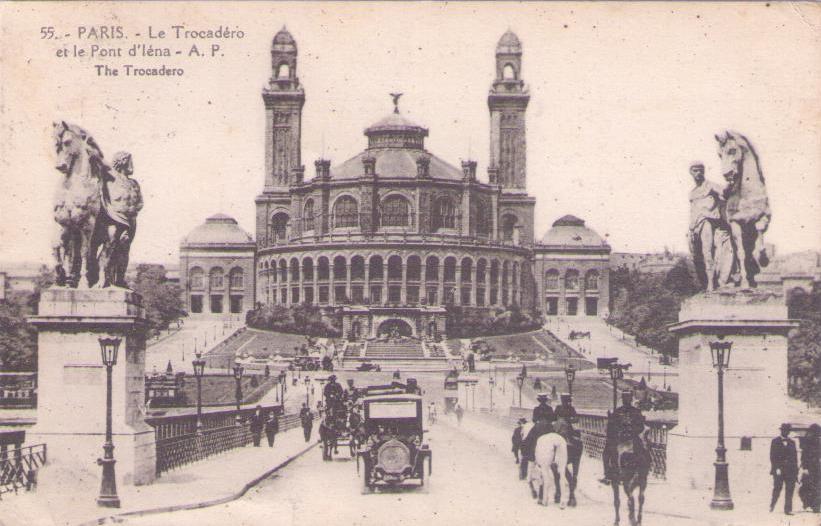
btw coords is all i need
(392, 448)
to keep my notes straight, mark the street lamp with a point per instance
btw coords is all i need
(307, 390)
(616, 374)
(492, 384)
(520, 380)
(108, 488)
(199, 369)
(720, 352)
(570, 374)
(238, 370)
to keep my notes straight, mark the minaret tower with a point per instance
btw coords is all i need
(507, 103)
(284, 98)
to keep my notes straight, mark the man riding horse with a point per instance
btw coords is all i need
(626, 457)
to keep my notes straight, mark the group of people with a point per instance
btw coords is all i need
(784, 468)
(260, 422)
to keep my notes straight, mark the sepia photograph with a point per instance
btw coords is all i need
(410, 263)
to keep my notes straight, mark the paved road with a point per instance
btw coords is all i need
(472, 483)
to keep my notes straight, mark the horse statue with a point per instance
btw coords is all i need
(747, 205)
(546, 470)
(95, 209)
(629, 468)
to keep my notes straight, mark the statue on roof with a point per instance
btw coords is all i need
(395, 97)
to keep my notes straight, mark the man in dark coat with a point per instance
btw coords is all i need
(811, 468)
(783, 467)
(271, 428)
(566, 410)
(333, 393)
(306, 417)
(543, 411)
(517, 438)
(257, 423)
(624, 425)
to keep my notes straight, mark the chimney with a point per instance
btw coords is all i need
(299, 174)
(323, 169)
(493, 175)
(369, 163)
(469, 170)
(423, 166)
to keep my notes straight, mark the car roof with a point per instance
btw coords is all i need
(391, 397)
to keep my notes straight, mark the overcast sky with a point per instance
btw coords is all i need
(623, 97)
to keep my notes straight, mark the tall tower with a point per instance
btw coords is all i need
(507, 102)
(284, 98)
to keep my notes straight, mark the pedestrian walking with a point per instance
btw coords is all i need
(810, 491)
(271, 428)
(516, 440)
(306, 417)
(257, 423)
(783, 468)
(459, 413)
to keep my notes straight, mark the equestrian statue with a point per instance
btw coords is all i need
(95, 208)
(727, 223)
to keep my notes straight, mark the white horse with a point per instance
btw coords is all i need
(549, 468)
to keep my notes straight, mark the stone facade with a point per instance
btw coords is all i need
(572, 267)
(217, 268)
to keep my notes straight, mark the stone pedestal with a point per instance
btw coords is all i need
(755, 387)
(72, 383)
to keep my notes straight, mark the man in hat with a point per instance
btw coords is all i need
(333, 393)
(517, 438)
(783, 467)
(543, 411)
(624, 426)
(566, 410)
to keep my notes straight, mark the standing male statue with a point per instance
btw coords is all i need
(709, 235)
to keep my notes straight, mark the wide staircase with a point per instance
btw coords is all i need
(403, 350)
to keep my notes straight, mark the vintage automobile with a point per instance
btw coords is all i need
(392, 451)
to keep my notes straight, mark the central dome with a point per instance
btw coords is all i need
(395, 131)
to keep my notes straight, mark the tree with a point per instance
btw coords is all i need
(805, 345)
(18, 344)
(161, 298)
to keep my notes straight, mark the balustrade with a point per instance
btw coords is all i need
(18, 467)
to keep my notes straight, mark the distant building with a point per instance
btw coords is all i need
(19, 277)
(572, 264)
(217, 268)
(647, 262)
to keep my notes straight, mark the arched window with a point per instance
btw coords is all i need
(591, 280)
(357, 268)
(481, 272)
(346, 212)
(272, 273)
(216, 278)
(395, 211)
(323, 268)
(308, 269)
(467, 270)
(444, 214)
(551, 279)
(278, 232)
(235, 278)
(395, 268)
(509, 72)
(294, 270)
(509, 222)
(376, 270)
(340, 269)
(571, 280)
(482, 218)
(432, 268)
(414, 270)
(283, 71)
(308, 215)
(450, 269)
(283, 270)
(197, 276)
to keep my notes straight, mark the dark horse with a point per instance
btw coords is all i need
(329, 436)
(575, 448)
(629, 466)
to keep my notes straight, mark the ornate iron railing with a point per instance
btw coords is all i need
(594, 433)
(178, 443)
(18, 467)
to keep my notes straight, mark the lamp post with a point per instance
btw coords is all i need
(720, 352)
(616, 374)
(570, 374)
(520, 380)
(108, 488)
(199, 369)
(307, 390)
(238, 370)
(492, 384)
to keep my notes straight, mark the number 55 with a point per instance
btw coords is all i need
(46, 32)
